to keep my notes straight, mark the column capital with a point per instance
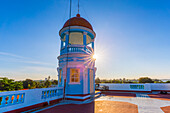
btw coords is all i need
(66, 33)
(84, 33)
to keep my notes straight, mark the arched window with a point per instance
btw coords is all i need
(74, 75)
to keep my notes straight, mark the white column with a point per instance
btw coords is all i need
(84, 39)
(67, 40)
(93, 44)
(61, 44)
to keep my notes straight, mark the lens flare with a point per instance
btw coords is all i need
(94, 56)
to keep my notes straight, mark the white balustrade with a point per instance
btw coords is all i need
(138, 87)
(75, 49)
(12, 100)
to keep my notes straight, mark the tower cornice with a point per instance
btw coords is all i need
(77, 28)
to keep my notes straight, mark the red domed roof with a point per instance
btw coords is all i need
(78, 21)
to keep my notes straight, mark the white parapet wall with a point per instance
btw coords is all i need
(160, 86)
(148, 87)
(128, 87)
(12, 100)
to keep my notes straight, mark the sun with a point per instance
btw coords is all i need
(94, 56)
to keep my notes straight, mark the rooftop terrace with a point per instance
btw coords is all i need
(123, 100)
(115, 102)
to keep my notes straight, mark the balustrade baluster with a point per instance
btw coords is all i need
(42, 95)
(3, 101)
(15, 99)
(10, 99)
(55, 92)
(20, 99)
(52, 93)
(7, 100)
(45, 94)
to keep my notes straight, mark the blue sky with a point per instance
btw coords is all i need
(133, 37)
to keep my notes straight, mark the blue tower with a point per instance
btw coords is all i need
(76, 71)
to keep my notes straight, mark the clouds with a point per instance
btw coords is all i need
(21, 59)
(20, 67)
(11, 55)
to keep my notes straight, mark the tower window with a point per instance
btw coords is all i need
(88, 39)
(74, 75)
(90, 45)
(76, 38)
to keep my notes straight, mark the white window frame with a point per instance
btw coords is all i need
(73, 76)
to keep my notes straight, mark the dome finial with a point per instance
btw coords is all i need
(78, 15)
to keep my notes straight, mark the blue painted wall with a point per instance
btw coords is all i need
(74, 88)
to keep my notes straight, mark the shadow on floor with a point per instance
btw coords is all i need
(71, 108)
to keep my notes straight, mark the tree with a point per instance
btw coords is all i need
(48, 78)
(117, 81)
(29, 84)
(145, 80)
(168, 81)
(97, 80)
(157, 81)
(55, 82)
(47, 83)
(18, 85)
(9, 84)
(124, 80)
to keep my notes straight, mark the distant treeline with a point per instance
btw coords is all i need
(124, 80)
(11, 85)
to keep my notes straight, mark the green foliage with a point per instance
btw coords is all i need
(98, 80)
(29, 84)
(18, 85)
(9, 84)
(140, 80)
(47, 83)
(145, 80)
(168, 81)
(54, 82)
